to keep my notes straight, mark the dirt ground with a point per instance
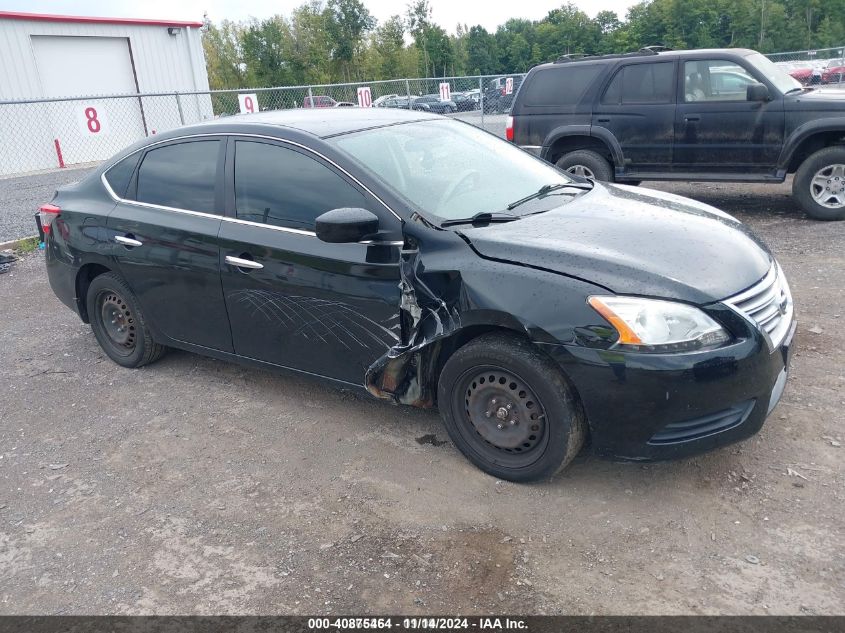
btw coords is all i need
(197, 486)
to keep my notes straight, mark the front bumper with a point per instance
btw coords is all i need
(652, 406)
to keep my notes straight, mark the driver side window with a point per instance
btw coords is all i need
(715, 80)
(282, 187)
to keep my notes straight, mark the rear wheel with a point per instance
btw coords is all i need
(509, 409)
(586, 163)
(819, 184)
(118, 322)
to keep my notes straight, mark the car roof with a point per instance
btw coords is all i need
(608, 59)
(322, 123)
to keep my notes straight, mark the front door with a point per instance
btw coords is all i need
(716, 129)
(163, 234)
(293, 300)
(638, 108)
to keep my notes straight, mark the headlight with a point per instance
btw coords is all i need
(650, 325)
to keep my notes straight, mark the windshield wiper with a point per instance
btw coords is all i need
(542, 191)
(482, 217)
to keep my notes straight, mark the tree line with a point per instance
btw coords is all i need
(340, 41)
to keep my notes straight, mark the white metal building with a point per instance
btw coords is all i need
(56, 56)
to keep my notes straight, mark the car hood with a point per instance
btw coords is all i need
(829, 98)
(633, 241)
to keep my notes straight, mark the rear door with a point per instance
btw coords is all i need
(638, 108)
(163, 234)
(293, 300)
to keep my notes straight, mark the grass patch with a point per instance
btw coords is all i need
(28, 245)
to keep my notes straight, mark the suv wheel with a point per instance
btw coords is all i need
(509, 410)
(586, 163)
(819, 184)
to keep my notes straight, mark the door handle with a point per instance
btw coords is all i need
(127, 241)
(239, 262)
(602, 120)
(691, 118)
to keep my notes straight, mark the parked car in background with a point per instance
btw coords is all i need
(395, 102)
(433, 103)
(424, 261)
(474, 94)
(496, 96)
(803, 74)
(318, 101)
(382, 99)
(714, 115)
(834, 72)
(464, 103)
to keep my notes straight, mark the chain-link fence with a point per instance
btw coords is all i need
(48, 133)
(821, 66)
(42, 134)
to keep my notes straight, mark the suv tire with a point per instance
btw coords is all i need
(586, 163)
(509, 409)
(819, 184)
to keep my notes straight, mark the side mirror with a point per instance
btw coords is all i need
(346, 225)
(756, 92)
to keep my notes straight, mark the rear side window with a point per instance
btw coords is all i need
(641, 83)
(282, 187)
(181, 176)
(559, 86)
(120, 174)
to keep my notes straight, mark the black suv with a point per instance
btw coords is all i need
(703, 115)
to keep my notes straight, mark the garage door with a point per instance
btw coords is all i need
(90, 129)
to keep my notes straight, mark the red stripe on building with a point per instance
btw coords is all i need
(44, 17)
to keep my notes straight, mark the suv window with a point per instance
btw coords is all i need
(560, 86)
(641, 83)
(182, 176)
(120, 174)
(715, 80)
(282, 187)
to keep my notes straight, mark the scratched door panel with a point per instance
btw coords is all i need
(328, 309)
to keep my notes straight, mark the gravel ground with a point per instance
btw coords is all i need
(198, 486)
(20, 197)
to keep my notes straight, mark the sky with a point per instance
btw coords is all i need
(446, 13)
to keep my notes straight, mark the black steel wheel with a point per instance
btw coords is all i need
(509, 409)
(118, 322)
(503, 411)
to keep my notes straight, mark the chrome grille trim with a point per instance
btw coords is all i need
(768, 305)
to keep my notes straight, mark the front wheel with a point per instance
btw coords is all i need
(586, 163)
(819, 184)
(509, 410)
(118, 322)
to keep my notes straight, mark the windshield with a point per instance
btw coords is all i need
(453, 170)
(778, 76)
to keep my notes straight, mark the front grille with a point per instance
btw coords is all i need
(768, 304)
(704, 426)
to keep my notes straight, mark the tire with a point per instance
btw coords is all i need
(819, 184)
(590, 164)
(125, 338)
(524, 426)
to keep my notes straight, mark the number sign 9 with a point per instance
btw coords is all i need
(248, 103)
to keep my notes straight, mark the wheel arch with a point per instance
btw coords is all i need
(84, 276)
(810, 138)
(564, 141)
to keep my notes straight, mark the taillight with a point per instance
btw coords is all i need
(509, 128)
(48, 213)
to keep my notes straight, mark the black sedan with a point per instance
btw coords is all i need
(427, 262)
(433, 103)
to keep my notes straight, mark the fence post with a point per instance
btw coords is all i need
(310, 97)
(481, 97)
(179, 105)
(408, 92)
